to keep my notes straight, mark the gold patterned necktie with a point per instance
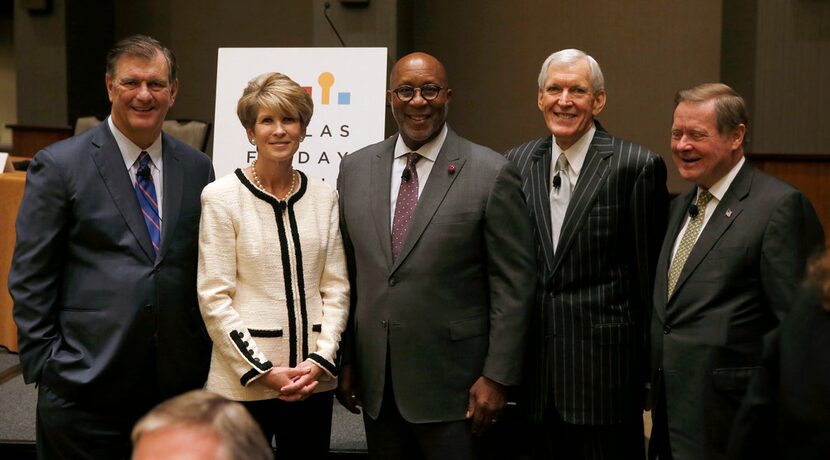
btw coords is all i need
(688, 240)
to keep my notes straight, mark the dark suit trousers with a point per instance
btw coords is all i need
(302, 429)
(555, 438)
(68, 429)
(391, 437)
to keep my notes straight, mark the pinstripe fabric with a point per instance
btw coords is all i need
(588, 348)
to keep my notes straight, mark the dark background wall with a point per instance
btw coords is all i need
(777, 53)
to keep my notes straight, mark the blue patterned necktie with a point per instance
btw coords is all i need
(145, 191)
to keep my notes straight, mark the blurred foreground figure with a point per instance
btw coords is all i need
(785, 413)
(199, 425)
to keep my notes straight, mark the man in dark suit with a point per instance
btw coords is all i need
(104, 270)
(441, 259)
(599, 204)
(734, 252)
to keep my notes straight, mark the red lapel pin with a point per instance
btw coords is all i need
(451, 169)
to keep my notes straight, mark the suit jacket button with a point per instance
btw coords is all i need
(393, 281)
(667, 330)
(383, 324)
(148, 308)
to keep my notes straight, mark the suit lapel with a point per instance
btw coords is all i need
(540, 187)
(590, 181)
(718, 223)
(110, 164)
(173, 178)
(437, 185)
(379, 181)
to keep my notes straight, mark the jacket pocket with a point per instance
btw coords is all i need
(612, 333)
(470, 327)
(735, 378)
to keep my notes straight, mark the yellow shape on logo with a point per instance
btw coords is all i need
(326, 81)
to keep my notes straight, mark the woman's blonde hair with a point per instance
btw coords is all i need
(278, 93)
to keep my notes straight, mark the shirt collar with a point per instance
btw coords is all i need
(130, 151)
(719, 188)
(429, 150)
(577, 152)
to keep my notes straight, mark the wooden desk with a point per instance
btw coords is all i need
(27, 140)
(11, 193)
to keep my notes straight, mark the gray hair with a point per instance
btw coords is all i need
(571, 56)
(238, 433)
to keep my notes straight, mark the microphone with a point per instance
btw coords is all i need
(143, 172)
(693, 211)
(406, 175)
(557, 181)
(326, 7)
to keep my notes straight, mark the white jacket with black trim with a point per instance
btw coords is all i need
(272, 283)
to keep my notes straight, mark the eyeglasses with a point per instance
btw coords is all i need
(428, 92)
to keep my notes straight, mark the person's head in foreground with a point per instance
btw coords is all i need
(199, 425)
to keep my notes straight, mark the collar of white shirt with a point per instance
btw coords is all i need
(130, 151)
(575, 154)
(429, 150)
(719, 188)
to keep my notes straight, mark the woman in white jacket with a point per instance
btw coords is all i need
(273, 285)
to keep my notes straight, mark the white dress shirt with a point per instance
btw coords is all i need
(130, 153)
(429, 153)
(718, 190)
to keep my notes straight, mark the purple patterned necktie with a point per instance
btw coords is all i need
(407, 200)
(145, 191)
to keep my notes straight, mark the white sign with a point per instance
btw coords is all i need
(5, 164)
(347, 86)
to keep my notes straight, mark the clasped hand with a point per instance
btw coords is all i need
(293, 383)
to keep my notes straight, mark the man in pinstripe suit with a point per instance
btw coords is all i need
(599, 204)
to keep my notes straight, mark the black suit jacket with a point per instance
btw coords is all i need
(101, 318)
(588, 342)
(455, 303)
(737, 284)
(786, 411)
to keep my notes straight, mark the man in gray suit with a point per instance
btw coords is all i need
(441, 260)
(104, 270)
(734, 253)
(599, 204)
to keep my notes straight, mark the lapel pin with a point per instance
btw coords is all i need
(728, 213)
(451, 169)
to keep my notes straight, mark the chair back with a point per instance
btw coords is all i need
(84, 123)
(194, 133)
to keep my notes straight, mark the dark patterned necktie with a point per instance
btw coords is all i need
(145, 191)
(407, 200)
(687, 242)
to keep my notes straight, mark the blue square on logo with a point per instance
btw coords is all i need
(344, 98)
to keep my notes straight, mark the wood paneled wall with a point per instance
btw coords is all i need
(810, 173)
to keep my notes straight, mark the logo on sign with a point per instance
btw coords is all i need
(326, 82)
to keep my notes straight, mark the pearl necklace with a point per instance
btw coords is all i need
(261, 187)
